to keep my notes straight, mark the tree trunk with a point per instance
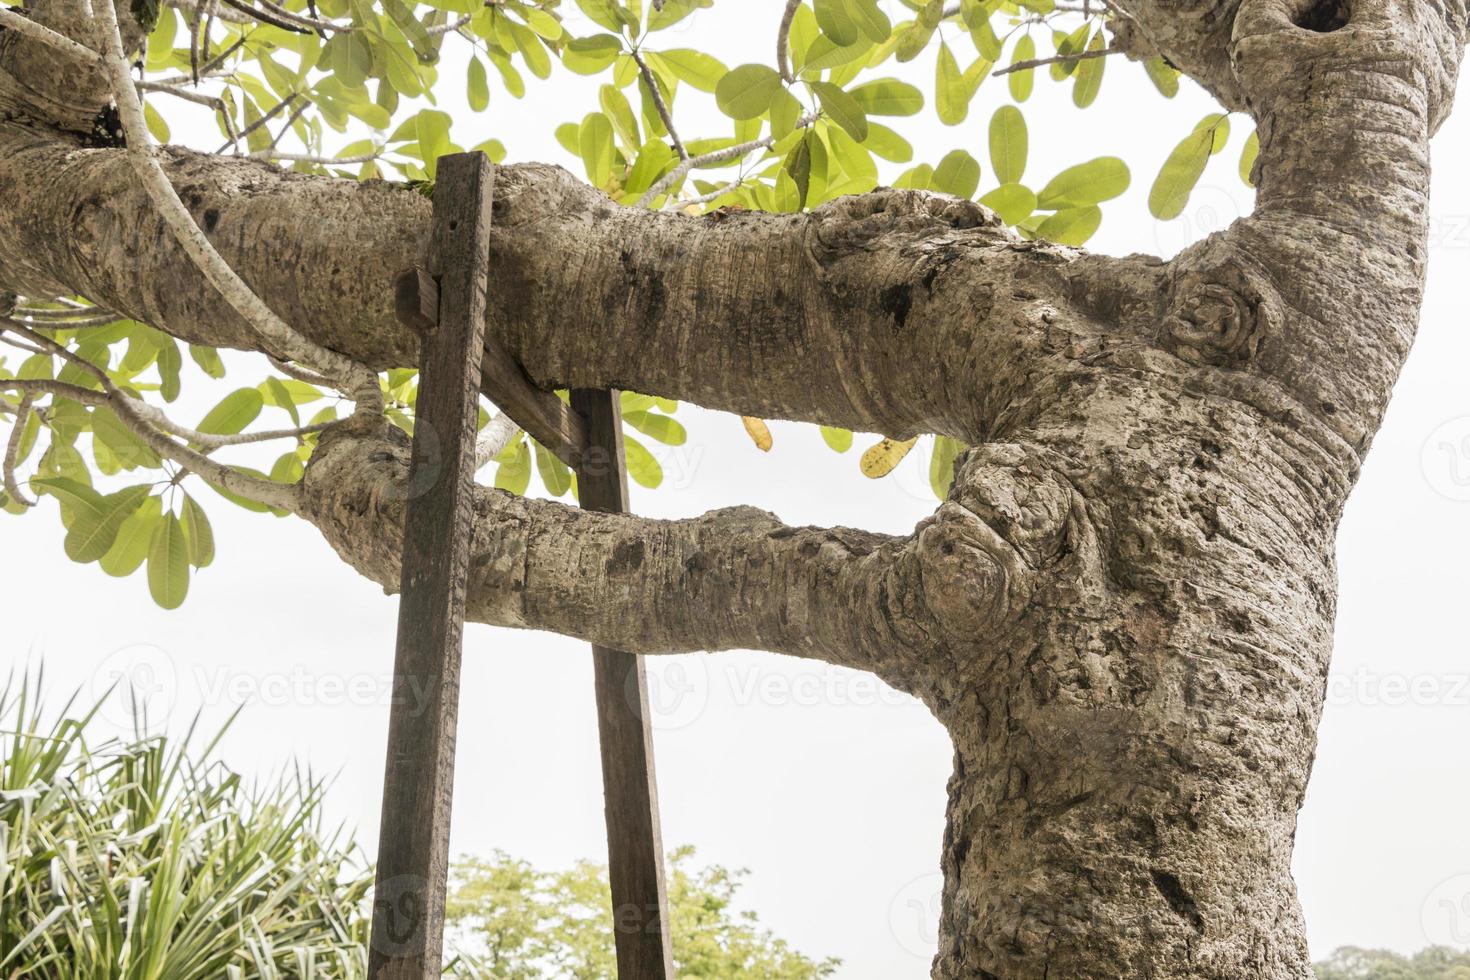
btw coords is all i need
(1122, 613)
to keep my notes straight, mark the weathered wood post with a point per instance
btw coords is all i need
(634, 842)
(413, 847)
(446, 305)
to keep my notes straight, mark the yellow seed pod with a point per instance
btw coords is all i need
(760, 433)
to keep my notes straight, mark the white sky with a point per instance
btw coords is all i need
(828, 787)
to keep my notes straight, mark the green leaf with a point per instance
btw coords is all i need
(554, 473)
(912, 39)
(958, 174)
(514, 472)
(843, 109)
(121, 441)
(941, 464)
(1089, 75)
(208, 360)
(1164, 76)
(1008, 144)
(74, 496)
(130, 548)
(642, 467)
(168, 563)
(871, 20)
(660, 427)
(1093, 182)
(1013, 202)
(595, 140)
(839, 439)
(798, 167)
(748, 91)
(198, 533)
(157, 128)
(1182, 169)
(588, 55)
(1022, 82)
(230, 417)
(606, 13)
(94, 529)
(478, 85)
(1071, 226)
(953, 89)
(835, 21)
(1248, 156)
(695, 68)
(885, 143)
(888, 97)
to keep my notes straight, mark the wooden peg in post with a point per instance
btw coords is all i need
(413, 849)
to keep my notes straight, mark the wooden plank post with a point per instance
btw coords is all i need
(634, 841)
(413, 849)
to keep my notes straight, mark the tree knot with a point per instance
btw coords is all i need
(1220, 316)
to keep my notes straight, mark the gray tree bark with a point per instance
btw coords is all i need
(1123, 612)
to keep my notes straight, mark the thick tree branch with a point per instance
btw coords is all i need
(896, 311)
(906, 608)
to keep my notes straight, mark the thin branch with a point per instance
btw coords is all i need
(300, 374)
(274, 111)
(126, 408)
(659, 105)
(12, 451)
(783, 42)
(715, 194)
(311, 158)
(1057, 59)
(251, 13)
(360, 381)
(714, 157)
(290, 121)
(498, 433)
(22, 24)
(228, 16)
(69, 315)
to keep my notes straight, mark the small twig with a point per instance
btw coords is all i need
(300, 374)
(71, 313)
(310, 158)
(12, 451)
(131, 412)
(659, 105)
(497, 434)
(290, 121)
(1057, 59)
(713, 157)
(715, 194)
(263, 17)
(783, 41)
(274, 111)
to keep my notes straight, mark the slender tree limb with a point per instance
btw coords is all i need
(12, 451)
(659, 105)
(361, 383)
(1056, 59)
(128, 411)
(783, 42)
(712, 158)
(498, 433)
(22, 24)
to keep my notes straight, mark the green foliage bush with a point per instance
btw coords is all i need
(145, 858)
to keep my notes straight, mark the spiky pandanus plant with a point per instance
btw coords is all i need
(145, 858)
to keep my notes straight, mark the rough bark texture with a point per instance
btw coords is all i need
(1123, 612)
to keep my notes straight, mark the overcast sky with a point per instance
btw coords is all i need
(827, 786)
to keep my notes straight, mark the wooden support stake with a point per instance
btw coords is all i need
(413, 849)
(634, 841)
